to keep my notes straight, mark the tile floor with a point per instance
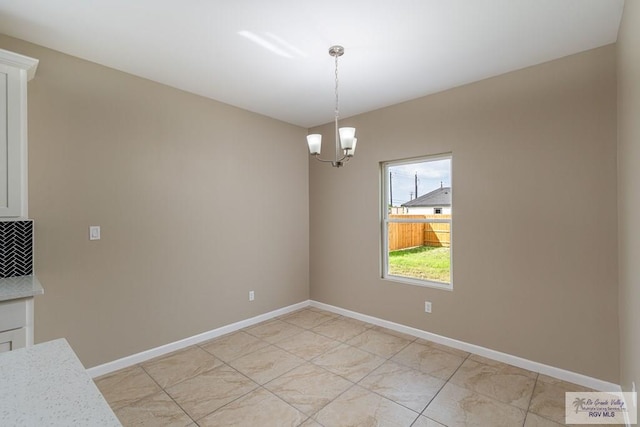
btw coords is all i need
(315, 368)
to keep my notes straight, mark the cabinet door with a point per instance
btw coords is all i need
(12, 340)
(12, 140)
(4, 171)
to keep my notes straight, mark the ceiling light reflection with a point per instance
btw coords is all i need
(285, 44)
(280, 46)
(264, 43)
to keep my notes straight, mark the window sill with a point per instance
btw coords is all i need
(416, 282)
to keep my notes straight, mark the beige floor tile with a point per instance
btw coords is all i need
(551, 380)
(308, 387)
(360, 407)
(356, 321)
(308, 345)
(456, 406)
(502, 382)
(403, 385)
(274, 331)
(341, 329)
(181, 365)
(377, 342)
(258, 408)
(201, 395)
(445, 348)
(491, 362)
(234, 345)
(266, 364)
(325, 312)
(548, 397)
(306, 319)
(152, 411)
(311, 423)
(534, 420)
(126, 386)
(349, 362)
(365, 324)
(428, 359)
(423, 421)
(394, 333)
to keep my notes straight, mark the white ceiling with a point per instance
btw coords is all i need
(396, 50)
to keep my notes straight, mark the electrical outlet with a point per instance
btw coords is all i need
(427, 306)
(252, 295)
(94, 232)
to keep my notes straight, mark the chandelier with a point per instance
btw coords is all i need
(345, 137)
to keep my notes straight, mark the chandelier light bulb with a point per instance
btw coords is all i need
(346, 138)
(315, 142)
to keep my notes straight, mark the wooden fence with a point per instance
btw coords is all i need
(404, 235)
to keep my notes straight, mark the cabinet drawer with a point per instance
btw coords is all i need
(13, 314)
(12, 340)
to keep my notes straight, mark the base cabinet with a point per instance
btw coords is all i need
(16, 324)
(13, 340)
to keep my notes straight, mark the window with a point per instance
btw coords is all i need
(416, 221)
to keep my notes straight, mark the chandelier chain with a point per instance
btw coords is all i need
(337, 100)
(337, 113)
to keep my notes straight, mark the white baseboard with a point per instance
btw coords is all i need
(551, 371)
(541, 368)
(134, 359)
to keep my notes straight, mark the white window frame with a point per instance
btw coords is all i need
(385, 220)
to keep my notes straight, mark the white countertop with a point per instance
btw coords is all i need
(19, 287)
(46, 385)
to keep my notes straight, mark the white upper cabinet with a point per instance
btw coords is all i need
(15, 71)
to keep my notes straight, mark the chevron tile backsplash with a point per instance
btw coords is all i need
(16, 248)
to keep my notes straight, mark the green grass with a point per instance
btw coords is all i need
(423, 262)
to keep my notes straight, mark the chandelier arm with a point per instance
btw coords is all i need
(318, 158)
(341, 160)
(336, 163)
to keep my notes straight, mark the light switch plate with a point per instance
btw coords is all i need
(94, 232)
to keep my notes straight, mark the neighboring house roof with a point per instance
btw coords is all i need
(438, 197)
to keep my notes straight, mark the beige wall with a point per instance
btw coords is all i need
(169, 177)
(535, 218)
(628, 194)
